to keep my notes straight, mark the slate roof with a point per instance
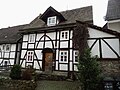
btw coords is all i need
(10, 34)
(81, 14)
(113, 10)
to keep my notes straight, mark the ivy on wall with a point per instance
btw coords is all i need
(80, 36)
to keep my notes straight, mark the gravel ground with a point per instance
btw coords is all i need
(57, 85)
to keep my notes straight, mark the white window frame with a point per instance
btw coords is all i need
(31, 38)
(76, 53)
(63, 57)
(64, 35)
(52, 21)
(30, 56)
(7, 46)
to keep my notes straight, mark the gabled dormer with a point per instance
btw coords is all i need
(52, 17)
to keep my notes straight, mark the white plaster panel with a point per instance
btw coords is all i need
(58, 35)
(54, 44)
(64, 67)
(25, 37)
(40, 62)
(23, 64)
(90, 42)
(12, 54)
(23, 52)
(39, 36)
(40, 45)
(36, 44)
(31, 46)
(107, 52)
(38, 53)
(64, 44)
(1, 60)
(71, 54)
(48, 45)
(97, 34)
(71, 34)
(57, 55)
(12, 61)
(71, 66)
(51, 35)
(36, 65)
(56, 68)
(95, 50)
(6, 55)
(13, 47)
(57, 44)
(24, 45)
(75, 68)
(71, 43)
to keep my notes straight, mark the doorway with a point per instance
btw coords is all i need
(47, 60)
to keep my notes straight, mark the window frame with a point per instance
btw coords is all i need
(31, 38)
(30, 56)
(75, 55)
(7, 50)
(64, 57)
(64, 35)
(52, 21)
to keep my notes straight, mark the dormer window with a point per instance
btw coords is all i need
(51, 21)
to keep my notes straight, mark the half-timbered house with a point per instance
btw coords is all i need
(10, 46)
(47, 41)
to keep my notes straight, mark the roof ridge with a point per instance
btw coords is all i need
(76, 8)
(13, 26)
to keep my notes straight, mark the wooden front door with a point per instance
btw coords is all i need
(48, 62)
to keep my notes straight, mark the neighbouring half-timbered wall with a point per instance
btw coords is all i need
(104, 45)
(59, 41)
(7, 54)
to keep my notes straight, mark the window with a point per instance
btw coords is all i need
(63, 56)
(30, 56)
(51, 21)
(7, 47)
(3, 47)
(64, 34)
(31, 38)
(75, 56)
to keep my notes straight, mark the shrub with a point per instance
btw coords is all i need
(15, 72)
(88, 71)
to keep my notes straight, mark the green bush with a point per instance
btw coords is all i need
(15, 72)
(88, 71)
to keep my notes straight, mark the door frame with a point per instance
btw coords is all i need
(44, 51)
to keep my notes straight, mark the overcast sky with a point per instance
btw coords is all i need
(18, 12)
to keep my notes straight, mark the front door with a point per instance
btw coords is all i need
(48, 62)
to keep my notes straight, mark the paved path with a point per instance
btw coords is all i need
(57, 85)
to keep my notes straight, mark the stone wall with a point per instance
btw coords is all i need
(110, 68)
(18, 84)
